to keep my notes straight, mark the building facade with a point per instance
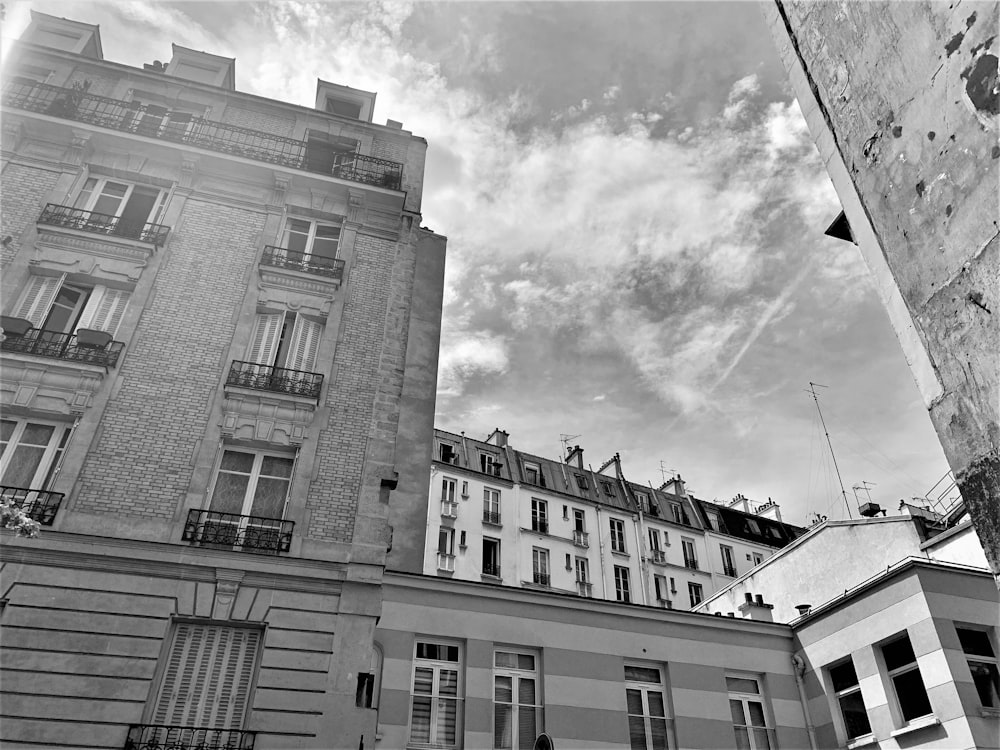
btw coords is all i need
(506, 517)
(220, 336)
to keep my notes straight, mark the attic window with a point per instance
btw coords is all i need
(581, 482)
(609, 489)
(753, 526)
(343, 108)
(448, 453)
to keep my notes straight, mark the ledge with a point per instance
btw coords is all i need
(987, 712)
(93, 243)
(624, 555)
(916, 725)
(865, 740)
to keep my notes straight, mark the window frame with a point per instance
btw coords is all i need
(311, 235)
(101, 182)
(990, 662)
(838, 696)
(516, 674)
(496, 542)
(437, 665)
(745, 698)
(259, 455)
(644, 688)
(695, 588)
(47, 468)
(539, 515)
(619, 542)
(623, 584)
(491, 500)
(541, 565)
(891, 674)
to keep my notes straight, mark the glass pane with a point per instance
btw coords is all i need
(843, 676)
(448, 684)
(912, 696)
(423, 680)
(230, 492)
(898, 653)
(36, 434)
(297, 236)
(527, 727)
(236, 461)
(269, 498)
(756, 714)
(656, 707)
(20, 472)
(642, 674)
(742, 738)
(88, 188)
(504, 659)
(736, 707)
(503, 730)
(637, 733)
(526, 691)
(447, 720)
(658, 730)
(852, 707)
(742, 685)
(276, 466)
(975, 642)
(761, 739)
(420, 720)
(450, 653)
(633, 699)
(110, 199)
(503, 689)
(7, 430)
(987, 683)
(525, 661)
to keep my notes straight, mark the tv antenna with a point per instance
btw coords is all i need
(843, 492)
(564, 439)
(664, 471)
(865, 488)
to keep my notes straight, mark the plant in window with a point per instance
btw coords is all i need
(13, 518)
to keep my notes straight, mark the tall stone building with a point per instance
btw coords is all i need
(220, 337)
(903, 102)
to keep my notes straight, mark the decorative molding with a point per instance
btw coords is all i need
(189, 170)
(298, 281)
(275, 418)
(13, 134)
(227, 586)
(49, 386)
(78, 144)
(281, 185)
(63, 238)
(356, 206)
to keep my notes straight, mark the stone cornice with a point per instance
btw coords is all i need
(62, 238)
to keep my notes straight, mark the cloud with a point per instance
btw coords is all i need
(467, 356)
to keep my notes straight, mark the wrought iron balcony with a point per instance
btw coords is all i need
(173, 737)
(232, 530)
(39, 505)
(542, 579)
(280, 257)
(491, 518)
(690, 562)
(96, 223)
(278, 379)
(581, 538)
(729, 570)
(585, 588)
(79, 347)
(491, 570)
(540, 525)
(157, 122)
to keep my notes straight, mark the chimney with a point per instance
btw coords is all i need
(575, 455)
(770, 509)
(675, 486)
(498, 438)
(804, 609)
(740, 503)
(756, 609)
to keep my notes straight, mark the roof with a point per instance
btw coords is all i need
(752, 528)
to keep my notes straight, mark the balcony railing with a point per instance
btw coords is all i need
(585, 588)
(280, 257)
(542, 579)
(247, 533)
(38, 505)
(491, 518)
(729, 570)
(540, 525)
(172, 737)
(157, 122)
(581, 538)
(449, 509)
(446, 562)
(60, 345)
(491, 570)
(691, 563)
(278, 379)
(97, 223)
(658, 556)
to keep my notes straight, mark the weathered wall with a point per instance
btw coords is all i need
(902, 99)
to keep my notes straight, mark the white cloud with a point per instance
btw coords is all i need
(468, 355)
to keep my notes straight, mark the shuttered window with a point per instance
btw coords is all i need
(305, 343)
(104, 309)
(264, 341)
(38, 298)
(51, 303)
(284, 340)
(208, 676)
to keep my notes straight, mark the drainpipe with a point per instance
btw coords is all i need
(640, 549)
(799, 667)
(600, 546)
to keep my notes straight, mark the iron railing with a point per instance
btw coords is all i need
(581, 538)
(59, 345)
(729, 570)
(537, 524)
(279, 379)
(97, 223)
(490, 517)
(659, 557)
(491, 570)
(690, 562)
(173, 737)
(158, 122)
(38, 505)
(281, 257)
(248, 533)
(542, 579)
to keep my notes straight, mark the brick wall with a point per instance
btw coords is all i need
(389, 148)
(268, 122)
(99, 85)
(141, 461)
(25, 190)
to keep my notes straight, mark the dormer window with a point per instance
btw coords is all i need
(448, 453)
(489, 464)
(533, 474)
(344, 101)
(343, 108)
(609, 489)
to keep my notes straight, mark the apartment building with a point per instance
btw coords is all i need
(503, 516)
(220, 335)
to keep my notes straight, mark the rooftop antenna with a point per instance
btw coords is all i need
(843, 492)
(664, 470)
(564, 439)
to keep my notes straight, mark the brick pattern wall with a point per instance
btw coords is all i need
(141, 462)
(25, 191)
(389, 148)
(99, 85)
(340, 453)
(268, 122)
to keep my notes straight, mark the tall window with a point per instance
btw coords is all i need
(517, 704)
(982, 662)
(127, 207)
(622, 589)
(690, 559)
(645, 696)
(253, 483)
(617, 535)
(30, 450)
(491, 557)
(489, 464)
(284, 339)
(446, 549)
(750, 718)
(660, 584)
(582, 570)
(695, 594)
(678, 513)
(447, 490)
(540, 566)
(654, 540)
(579, 520)
(852, 705)
(539, 515)
(53, 304)
(643, 499)
(907, 684)
(533, 474)
(728, 560)
(609, 489)
(434, 702)
(314, 239)
(491, 505)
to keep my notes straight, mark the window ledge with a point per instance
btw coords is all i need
(917, 724)
(616, 553)
(865, 740)
(490, 579)
(988, 712)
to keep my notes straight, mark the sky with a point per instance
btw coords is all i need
(635, 212)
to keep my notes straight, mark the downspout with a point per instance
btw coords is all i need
(799, 667)
(600, 547)
(636, 526)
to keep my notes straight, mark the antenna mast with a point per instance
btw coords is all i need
(664, 470)
(843, 492)
(564, 439)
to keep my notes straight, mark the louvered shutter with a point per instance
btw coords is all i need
(104, 309)
(305, 343)
(207, 678)
(264, 341)
(38, 298)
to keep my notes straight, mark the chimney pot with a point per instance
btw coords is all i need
(760, 599)
(803, 608)
(749, 598)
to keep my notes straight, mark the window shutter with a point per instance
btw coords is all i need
(208, 675)
(38, 298)
(305, 343)
(264, 341)
(104, 309)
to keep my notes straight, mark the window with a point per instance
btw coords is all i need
(491, 506)
(581, 482)
(609, 489)
(461, 539)
(660, 585)
(125, 208)
(690, 560)
(517, 705)
(852, 707)
(284, 339)
(695, 594)
(325, 153)
(344, 108)
(647, 708)
(52, 304)
(982, 662)
(434, 702)
(728, 560)
(489, 464)
(643, 499)
(750, 719)
(618, 536)
(622, 591)
(753, 526)
(904, 674)
(533, 474)
(206, 660)
(491, 557)
(654, 540)
(253, 483)
(758, 558)
(447, 453)
(447, 490)
(539, 515)
(579, 520)
(312, 239)
(569, 562)
(679, 514)
(540, 566)
(582, 570)
(30, 450)
(446, 549)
